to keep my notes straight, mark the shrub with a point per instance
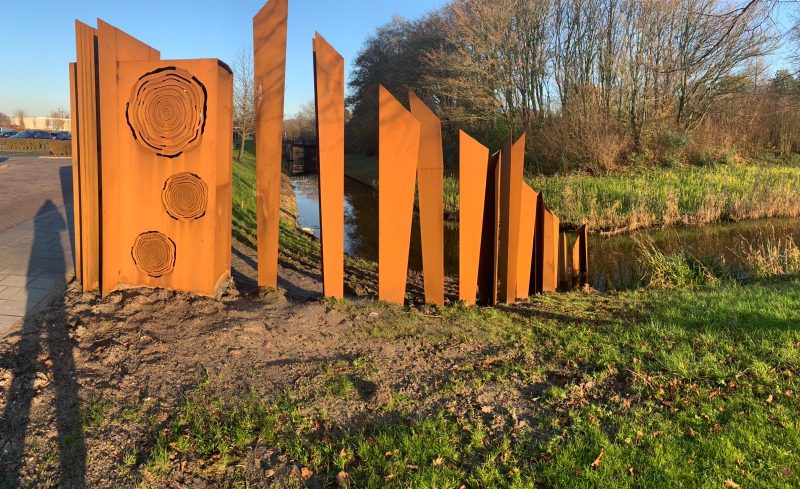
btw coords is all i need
(769, 256)
(678, 270)
(42, 146)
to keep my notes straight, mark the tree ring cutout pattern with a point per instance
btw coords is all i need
(154, 253)
(167, 111)
(185, 196)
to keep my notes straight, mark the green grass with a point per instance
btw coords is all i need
(672, 195)
(678, 194)
(674, 387)
(689, 386)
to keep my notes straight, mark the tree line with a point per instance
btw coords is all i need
(596, 84)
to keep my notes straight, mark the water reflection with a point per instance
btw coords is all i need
(361, 222)
(613, 261)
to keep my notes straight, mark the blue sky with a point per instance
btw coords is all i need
(39, 38)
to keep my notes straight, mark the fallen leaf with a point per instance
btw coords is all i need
(639, 436)
(786, 472)
(343, 453)
(630, 470)
(769, 399)
(305, 473)
(730, 483)
(597, 461)
(789, 393)
(691, 433)
(438, 460)
(487, 409)
(342, 479)
(269, 473)
(412, 466)
(388, 454)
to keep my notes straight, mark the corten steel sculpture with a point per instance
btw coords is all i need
(88, 155)
(580, 258)
(76, 186)
(490, 234)
(398, 140)
(512, 165)
(564, 270)
(430, 183)
(550, 253)
(269, 55)
(525, 265)
(473, 170)
(329, 90)
(113, 46)
(164, 158)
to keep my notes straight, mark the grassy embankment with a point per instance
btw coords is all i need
(678, 194)
(695, 386)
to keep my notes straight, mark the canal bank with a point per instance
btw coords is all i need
(615, 262)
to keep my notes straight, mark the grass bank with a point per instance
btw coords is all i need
(650, 197)
(650, 388)
(697, 385)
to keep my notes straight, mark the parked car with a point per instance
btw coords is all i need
(32, 134)
(62, 135)
(7, 133)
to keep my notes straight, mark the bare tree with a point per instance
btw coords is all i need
(19, 115)
(57, 119)
(4, 118)
(303, 124)
(243, 97)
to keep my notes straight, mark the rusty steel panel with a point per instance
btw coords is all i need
(174, 151)
(329, 91)
(527, 227)
(269, 56)
(76, 182)
(473, 170)
(113, 46)
(430, 184)
(398, 150)
(580, 258)
(487, 268)
(513, 162)
(86, 87)
(563, 267)
(550, 253)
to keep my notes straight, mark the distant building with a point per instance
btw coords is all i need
(46, 123)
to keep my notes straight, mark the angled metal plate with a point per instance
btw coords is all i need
(510, 199)
(487, 269)
(527, 227)
(87, 90)
(399, 135)
(269, 56)
(430, 177)
(473, 169)
(329, 91)
(113, 46)
(550, 238)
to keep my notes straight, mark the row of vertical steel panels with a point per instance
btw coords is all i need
(152, 178)
(510, 244)
(151, 165)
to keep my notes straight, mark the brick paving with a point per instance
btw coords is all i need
(35, 233)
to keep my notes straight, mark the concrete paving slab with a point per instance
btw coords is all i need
(6, 322)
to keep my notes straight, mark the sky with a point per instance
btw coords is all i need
(40, 40)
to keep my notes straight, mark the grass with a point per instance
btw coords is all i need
(649, 388)
(679, 385)
(647, 197)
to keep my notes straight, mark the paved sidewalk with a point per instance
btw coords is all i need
(35, 242)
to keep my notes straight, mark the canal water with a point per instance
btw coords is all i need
(613, 261)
